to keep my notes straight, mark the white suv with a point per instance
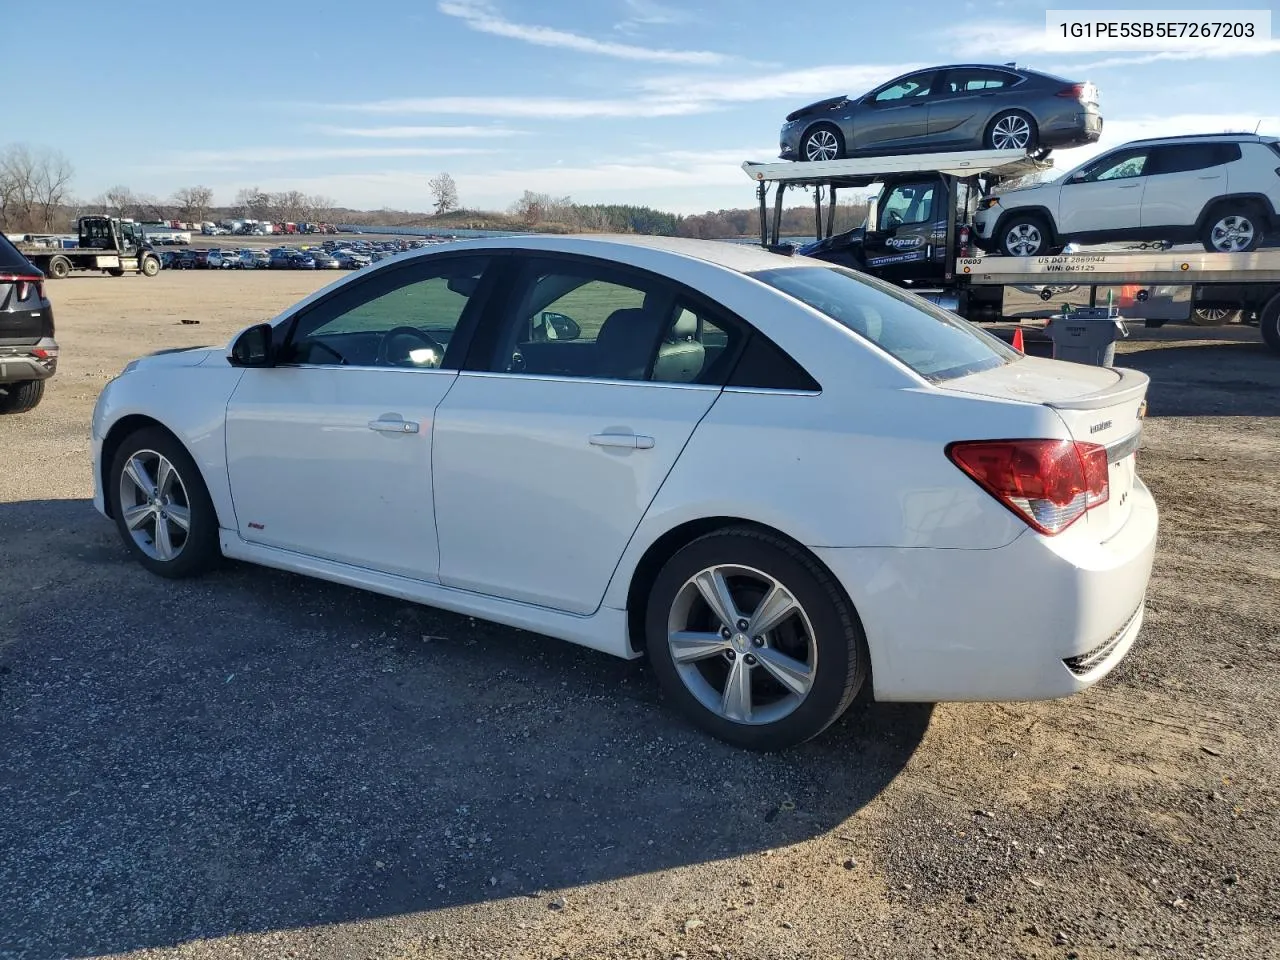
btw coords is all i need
(1220, 189)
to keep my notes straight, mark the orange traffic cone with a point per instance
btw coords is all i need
(1017, 340)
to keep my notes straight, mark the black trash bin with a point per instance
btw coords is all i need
(1086, 335)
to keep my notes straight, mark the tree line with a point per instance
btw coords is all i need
(36, 197)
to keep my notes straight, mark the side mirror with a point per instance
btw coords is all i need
(557, 326)
(873, 213)
(253, 348)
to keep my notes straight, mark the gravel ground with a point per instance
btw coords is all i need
(255, 764)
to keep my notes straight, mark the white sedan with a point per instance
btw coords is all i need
(778, 478)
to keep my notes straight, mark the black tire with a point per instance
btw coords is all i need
(150, 266)
(59, 268)
(116, 271)
(827, 132)
(1269, 322)
(200, 551)
(1246, 215)
(1025, 226)
(1006, 118)
(1214, 316)
(21, 396)
(837, 638)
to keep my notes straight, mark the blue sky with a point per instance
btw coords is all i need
(634, 101)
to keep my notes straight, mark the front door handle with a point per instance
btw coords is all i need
(630, 441)
(393, 426)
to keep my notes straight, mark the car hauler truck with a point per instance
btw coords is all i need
(106, 245)
(916, 235)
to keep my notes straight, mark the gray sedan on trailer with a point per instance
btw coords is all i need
(957, 107)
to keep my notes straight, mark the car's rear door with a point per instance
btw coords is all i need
(1182, 178)
(574, 408)
(962, 103)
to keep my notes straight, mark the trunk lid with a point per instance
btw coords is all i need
(1101, 405)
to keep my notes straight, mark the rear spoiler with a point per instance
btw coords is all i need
(1131, 385)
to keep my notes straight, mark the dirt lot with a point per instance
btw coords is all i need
(255, 764)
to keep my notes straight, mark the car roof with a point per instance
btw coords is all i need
(739, 257)
(1222, 137)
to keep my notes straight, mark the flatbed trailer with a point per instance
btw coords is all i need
(931, 256)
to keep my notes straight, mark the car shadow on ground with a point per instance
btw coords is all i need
(255, 751)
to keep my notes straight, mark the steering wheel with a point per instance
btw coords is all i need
(894, 218)
(426, 340)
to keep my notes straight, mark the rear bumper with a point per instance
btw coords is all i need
(1075, 129)
(1038, 619)
(29, 361)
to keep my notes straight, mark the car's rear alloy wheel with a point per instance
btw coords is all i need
(1024, 237)
(1214, 316)
(754, 640)
(1011, 131)
(822, 143)
(161, 506)
(1235, 232)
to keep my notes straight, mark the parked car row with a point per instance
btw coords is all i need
(329, 255)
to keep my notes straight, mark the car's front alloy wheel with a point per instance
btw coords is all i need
(161, 505)
(1023, 237)
(822, 143)
(754, 640)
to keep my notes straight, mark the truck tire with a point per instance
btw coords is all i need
(59, 267)
(21, 397)
(1269, 321)
(150, 266)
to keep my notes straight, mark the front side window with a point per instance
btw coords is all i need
(1119, 166)
(916, 85)
(403, 319)
(907, 203)
(934, 343)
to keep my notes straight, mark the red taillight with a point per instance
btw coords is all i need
(25, 284)
(1074, 92)
(1048, 483)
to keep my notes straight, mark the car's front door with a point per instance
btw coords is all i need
(548, 453)
(1104, 198)
(910, 225)
(896, 115)
(329, 451)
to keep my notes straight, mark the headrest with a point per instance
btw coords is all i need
(685, 327)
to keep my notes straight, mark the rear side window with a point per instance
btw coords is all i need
(1186, 157)
(936, 344)
(11, 260)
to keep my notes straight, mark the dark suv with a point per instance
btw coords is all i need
(28, 352)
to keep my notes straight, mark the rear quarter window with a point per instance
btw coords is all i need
(11, 260)
(936, 344)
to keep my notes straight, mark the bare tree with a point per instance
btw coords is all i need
(531, 208)
(319, 207)
(50, 185)
(445, 193)
(253, 203)
(118, 200)
(194, 202)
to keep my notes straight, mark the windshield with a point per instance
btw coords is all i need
(935, 343)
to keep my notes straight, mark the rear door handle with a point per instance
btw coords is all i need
(630, 441)
(387, 425)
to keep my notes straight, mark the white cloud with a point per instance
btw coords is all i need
(221, 159)
(416, 133)
(480, 16)
(647, 13)
(827, 81)
(542, 108)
